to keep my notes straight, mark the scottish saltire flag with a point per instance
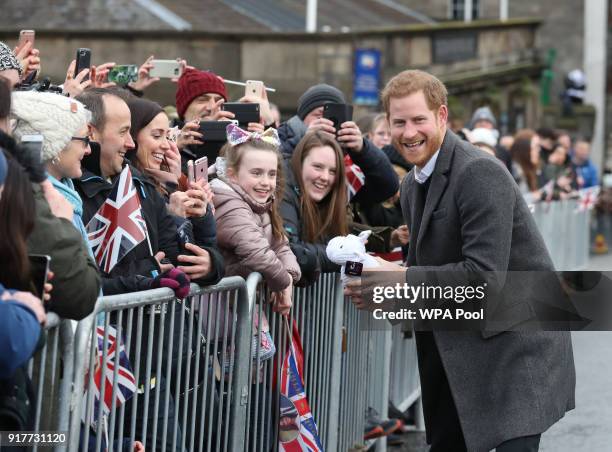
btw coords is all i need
(588, 198)
(297, 429)
(118, 226)
(354, 176)
(104, 374)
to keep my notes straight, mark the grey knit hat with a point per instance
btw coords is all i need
(8, 60)
(57, 118)
(483, 114)
(318, 95)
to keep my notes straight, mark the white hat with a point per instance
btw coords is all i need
(484, 136)
(57, 118)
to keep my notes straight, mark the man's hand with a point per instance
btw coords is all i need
(159, 256)
(201, 264)
(220, 115)
(324, 125)
(400, 236)
(265, 112)
(75, 85)
(144, 79)
(189, 134)
(99, 75)
(350, 136)
(29, 300)
(255, 127)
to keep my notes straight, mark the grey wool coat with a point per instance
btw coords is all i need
(504, 384)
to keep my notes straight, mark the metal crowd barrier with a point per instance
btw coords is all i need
(185, 357)
(317, 311)
(200, 382)
(50, 371)
(566, 232)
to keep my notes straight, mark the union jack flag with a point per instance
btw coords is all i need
(297, 429)
(354, 176)
(118, 226)
(105, 374)
(588, 198)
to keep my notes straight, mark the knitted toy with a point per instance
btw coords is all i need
(351, 248)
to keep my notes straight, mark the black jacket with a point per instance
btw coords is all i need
(138, 263)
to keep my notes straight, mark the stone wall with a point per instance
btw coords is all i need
(293, 62)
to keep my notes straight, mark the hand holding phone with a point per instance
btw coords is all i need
(26, 36)
(83, 61)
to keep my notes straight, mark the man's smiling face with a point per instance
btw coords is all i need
(416, 131)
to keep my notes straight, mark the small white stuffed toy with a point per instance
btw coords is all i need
(350, 248)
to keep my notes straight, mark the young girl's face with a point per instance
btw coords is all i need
(257, 174)
(153, 142)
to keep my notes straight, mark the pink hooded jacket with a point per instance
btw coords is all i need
(244, 236)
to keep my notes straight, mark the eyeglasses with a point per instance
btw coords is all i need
(85, 140)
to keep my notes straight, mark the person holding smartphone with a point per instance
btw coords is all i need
(157, 156)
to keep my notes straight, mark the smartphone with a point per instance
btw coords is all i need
(243, 113)
(39, 269)
(338, 113)
(200, 169)
(26, 36)
(83, 61)
(32, 144)
(214, 137)
(215, 130)
(165, 69)
(254, 88)
(197, 170)
(123, 74)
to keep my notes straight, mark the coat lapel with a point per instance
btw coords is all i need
(438, 182)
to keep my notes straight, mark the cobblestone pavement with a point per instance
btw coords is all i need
(588, 428)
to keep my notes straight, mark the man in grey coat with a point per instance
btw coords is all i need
(481, 390)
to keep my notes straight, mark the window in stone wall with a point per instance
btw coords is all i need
(457, 8)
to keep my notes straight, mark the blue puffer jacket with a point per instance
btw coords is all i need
(19, 334)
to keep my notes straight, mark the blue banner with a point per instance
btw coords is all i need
(366, 77)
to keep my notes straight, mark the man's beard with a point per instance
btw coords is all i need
(432, 144)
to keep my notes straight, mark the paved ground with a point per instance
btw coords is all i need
(588, 428)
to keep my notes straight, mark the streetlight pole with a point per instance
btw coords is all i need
(311, 16)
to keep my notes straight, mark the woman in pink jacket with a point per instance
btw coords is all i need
(250, 231)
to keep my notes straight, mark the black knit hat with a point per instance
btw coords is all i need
(318, 95)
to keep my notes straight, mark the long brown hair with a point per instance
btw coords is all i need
(521, 153)
(326, 218)
(17, 213)
(233, 158)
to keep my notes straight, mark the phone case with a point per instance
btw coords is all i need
(123, 74)
(200, 168)
(165, 69)
(83, 61)
(338, 113)
(244, 113)
(254, 88)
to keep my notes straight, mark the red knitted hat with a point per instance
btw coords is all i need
(194, 83)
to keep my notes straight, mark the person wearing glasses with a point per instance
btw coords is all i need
(63, 124)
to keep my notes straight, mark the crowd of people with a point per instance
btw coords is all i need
(275, 194)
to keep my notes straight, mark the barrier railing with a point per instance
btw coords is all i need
(201, 382)
(317, 310)
(183, 354)
(50, 371)
(565, 229)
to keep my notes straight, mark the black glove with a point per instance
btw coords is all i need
(309, 265)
